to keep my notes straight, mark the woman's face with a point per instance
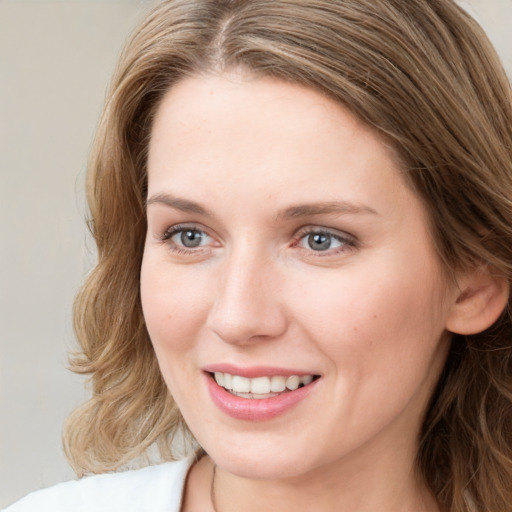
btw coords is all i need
(284, 249)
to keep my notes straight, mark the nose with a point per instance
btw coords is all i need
(248, 306)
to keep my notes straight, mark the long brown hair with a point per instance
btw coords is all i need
(421, 72)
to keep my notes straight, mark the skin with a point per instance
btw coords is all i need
(368, 314)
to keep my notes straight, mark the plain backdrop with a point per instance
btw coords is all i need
(56, 58)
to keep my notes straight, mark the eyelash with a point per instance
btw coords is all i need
(178, 228)
(347, 242)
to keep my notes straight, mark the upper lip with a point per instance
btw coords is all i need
(252, 372)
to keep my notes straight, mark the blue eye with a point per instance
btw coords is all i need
(323, 241)
(319, 241)
(181, 238)
(189, 238)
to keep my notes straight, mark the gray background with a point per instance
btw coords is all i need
(56, 58)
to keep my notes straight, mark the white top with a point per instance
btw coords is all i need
(152, 489)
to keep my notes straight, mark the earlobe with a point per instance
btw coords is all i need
(482, 297)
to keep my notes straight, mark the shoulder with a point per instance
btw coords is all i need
(155, 488)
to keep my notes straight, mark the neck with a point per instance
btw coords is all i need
(329, 488)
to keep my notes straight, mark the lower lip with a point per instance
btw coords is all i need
(254, 409)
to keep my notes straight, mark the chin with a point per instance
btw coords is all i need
(260, 459)
(257, 467)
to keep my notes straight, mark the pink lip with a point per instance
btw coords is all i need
(250, 409)
(253, 371)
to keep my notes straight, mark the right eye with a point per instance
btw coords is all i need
(186, 239)
(320, 241)
(190, 238)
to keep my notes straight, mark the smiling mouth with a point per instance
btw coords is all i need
(261, 387)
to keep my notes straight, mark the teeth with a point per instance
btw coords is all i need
(260, 387)
(277, 384)
(307, 379)
(292, 382)
(219, 378)
(241, 384)
(256, 396)
(228, 381)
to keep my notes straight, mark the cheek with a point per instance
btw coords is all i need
(383, 320)
(174, 311)
(384, 343)
(174, 305)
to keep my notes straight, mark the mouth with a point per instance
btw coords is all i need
(263, 387)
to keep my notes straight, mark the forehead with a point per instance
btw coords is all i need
(239, 135)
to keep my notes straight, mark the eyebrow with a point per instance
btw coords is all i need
(292, 212)
(324, 208)
(178, 203)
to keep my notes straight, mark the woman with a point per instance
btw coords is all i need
(304, 222)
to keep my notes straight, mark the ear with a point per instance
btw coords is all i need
(481, 298)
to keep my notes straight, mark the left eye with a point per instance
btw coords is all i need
(190, 238)
(321, 241)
